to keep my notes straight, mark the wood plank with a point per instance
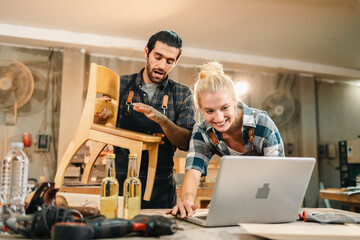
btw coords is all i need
(302, 230)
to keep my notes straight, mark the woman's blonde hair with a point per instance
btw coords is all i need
(212, 78)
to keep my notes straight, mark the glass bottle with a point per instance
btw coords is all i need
(14, 177)
(132, 190)
(109, 189)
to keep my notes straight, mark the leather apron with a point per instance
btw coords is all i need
(164, 191)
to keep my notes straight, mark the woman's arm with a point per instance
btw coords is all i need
(187, 206)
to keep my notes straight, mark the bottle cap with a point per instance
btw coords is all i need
(110, 155)
(17, 145)
(132, 155)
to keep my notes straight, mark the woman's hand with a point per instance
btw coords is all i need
(188, 191)
(184, 208)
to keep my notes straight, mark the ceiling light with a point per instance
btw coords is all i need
(241, 88)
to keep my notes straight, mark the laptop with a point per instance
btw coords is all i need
(253, 189)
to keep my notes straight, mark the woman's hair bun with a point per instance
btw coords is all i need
(211, 68)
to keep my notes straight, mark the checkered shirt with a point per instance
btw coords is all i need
(267, 140)
(180, 108)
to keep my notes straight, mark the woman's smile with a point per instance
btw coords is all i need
(218, 109)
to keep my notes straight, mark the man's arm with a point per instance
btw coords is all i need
(177, 135)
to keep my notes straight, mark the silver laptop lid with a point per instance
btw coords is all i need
(252, 189)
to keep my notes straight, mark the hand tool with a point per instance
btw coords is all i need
(70, 222)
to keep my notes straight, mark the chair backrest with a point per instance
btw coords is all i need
(107, 83)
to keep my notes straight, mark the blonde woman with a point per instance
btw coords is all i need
(230, 128)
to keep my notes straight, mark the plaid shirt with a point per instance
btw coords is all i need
(180, 108)
(267, 140)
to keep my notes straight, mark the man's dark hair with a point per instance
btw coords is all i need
(170, 38)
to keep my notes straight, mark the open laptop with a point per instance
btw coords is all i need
(257, 189)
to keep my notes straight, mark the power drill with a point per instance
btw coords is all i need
(61, 223)
(147, 225)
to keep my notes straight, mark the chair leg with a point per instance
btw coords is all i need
(153, 155)
(70, 152)
(90, 164)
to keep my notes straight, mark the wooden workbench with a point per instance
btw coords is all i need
(295, 230)
(203, 195)
(352, 201)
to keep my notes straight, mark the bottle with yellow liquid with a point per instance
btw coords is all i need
(109, 189)
(132, 190)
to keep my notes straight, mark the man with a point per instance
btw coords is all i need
(147, 112)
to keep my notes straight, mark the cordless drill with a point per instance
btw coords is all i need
(148, 225)
(62, 224)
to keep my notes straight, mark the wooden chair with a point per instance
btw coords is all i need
(104, 81)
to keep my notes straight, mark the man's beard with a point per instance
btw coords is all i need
(149, 72)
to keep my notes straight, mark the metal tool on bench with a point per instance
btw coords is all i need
(309, 215)
(146, 225)
(65, 223)
(46, 194)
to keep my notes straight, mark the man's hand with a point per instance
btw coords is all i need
(149, 112)
(177, 135)
(102, 117)
(184, 208)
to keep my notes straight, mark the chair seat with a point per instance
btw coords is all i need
(126, 133)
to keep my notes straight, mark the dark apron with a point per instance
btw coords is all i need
(164, 191)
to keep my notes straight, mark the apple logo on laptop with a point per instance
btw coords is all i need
(263, 192)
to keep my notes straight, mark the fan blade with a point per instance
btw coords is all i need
(7, 99)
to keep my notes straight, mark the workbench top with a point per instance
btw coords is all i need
(347, 198)
(295, 230)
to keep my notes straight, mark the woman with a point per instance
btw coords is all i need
(230, 128)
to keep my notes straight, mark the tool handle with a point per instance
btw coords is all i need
(86, 211)
(110, 227)
(157, 225)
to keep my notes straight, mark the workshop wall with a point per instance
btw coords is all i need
(339, 119)
(41, 113)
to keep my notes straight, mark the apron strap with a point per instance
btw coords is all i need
(213, 137)
(251, 137)
(251, 134)
(168, 90)
(129, 102)
(122, 95)
(165, 103)
(127, 87)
